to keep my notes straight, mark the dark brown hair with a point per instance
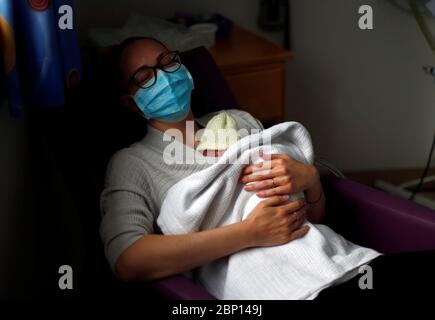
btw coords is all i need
(117, 53)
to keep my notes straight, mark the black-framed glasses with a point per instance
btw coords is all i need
(146, 76)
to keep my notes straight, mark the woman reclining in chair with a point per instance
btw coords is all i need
(229, 249)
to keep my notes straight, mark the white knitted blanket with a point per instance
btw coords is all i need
(213, 197)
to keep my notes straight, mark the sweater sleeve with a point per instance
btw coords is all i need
(124, 205)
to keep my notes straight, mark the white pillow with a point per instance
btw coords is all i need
(174, 36)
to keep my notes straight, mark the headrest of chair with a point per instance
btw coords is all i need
(212, 92)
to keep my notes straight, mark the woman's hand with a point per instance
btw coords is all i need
(272, 222)
(279, 174)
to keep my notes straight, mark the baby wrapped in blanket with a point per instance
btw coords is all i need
(213, 198)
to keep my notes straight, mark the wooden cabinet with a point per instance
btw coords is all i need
(255, 70)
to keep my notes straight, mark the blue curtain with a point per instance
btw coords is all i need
(41, 52)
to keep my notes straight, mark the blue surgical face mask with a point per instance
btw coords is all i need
(168, 99)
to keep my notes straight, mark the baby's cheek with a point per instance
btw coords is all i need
(213, 153)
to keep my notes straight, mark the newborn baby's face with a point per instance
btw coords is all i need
(213, 153)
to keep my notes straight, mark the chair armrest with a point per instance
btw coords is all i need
(377, 219)
(181, 288)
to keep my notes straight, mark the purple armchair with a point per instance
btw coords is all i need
(361, 214)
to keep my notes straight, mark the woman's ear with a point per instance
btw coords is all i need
(128, 102)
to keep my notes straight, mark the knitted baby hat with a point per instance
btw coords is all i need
(219, 134)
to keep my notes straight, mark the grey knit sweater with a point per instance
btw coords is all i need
(137, 180)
